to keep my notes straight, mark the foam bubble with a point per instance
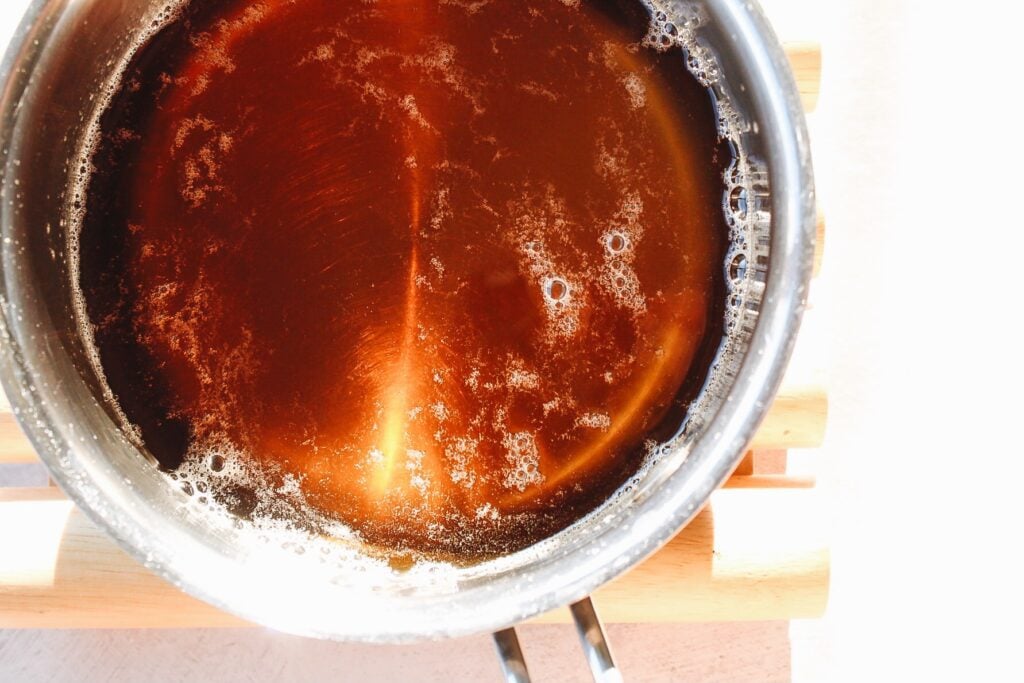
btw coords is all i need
(323, 52)
(738, 202)
(538, 218)
(554, 405)
(617, 276)
(636, 90)
(594, 420)
(738, 268)
(440, 64)
(537, 90)
(460, 452)
(202, 168)
(470, 6)
(487, 511)
(556, 289)
(523, 458)
(439, 410)
(409, 106)
(414, 464)
(615, 242)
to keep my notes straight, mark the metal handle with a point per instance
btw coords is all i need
(513, 665)
(592, 639)
(594, 642)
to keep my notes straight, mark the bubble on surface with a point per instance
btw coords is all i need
(523, 458)
(738, 202)
(460, 453)
(616, 242)
(738, 268)
(538, 218)
(554, 405)
(411, 108)
(537, 90)
(600, 421)
(617, 276)
(520, 377)
(487, 511)
(636, 89)
(439, 410)
(470, 6)
(555, 289)
(323, 52)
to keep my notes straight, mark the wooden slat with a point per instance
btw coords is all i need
(746, 466)
(14, 447)
(805, 60)
(770, 462)
(819, 241)
(759, 551)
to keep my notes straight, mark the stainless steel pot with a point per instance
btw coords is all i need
(64, 55)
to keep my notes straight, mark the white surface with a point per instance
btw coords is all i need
(917, 149)
(916, 153)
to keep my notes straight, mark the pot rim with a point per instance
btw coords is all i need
(47, 420)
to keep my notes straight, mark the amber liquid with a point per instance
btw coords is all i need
(450, 266)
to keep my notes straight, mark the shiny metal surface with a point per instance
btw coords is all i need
(510, 656)
(594, 642)
(53, 76)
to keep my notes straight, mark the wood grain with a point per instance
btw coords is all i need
(14, 446)
(759, 551)
(805, 60)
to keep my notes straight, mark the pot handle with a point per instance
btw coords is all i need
(592, 639)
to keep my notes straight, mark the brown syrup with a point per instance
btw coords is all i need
(450, 266)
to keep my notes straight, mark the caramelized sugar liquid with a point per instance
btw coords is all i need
(448, 267)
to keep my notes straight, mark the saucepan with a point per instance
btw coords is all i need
(65, 54)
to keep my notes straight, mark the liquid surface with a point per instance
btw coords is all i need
(441, 271)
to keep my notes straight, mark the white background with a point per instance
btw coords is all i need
(918, 161)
